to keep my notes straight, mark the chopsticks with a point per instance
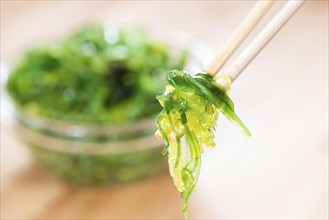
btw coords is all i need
(247, 25)
(260, 41)
(215, 69)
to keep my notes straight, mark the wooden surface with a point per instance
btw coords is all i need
(280, 173)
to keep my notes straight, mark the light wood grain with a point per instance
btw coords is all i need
(280, 173)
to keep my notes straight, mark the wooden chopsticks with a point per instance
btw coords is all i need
(239, 36)
(216, 69)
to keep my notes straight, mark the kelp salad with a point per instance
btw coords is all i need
(99, 76)
(187, 123)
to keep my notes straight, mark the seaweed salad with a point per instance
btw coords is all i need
(92, 90)
(187, 123)
(101, 74)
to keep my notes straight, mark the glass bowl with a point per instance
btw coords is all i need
(93, 154)
(101, 154)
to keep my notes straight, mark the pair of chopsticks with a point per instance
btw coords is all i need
(215, 69)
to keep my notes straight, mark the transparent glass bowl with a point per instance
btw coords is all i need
(101, 154)
(93, 154)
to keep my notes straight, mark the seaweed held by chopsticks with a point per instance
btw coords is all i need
(187, 123)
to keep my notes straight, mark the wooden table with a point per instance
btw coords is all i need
(280, 173)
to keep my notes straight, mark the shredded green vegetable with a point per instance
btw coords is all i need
(98, 75)
(187, 123)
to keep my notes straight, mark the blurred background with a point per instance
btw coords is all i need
(281, 172)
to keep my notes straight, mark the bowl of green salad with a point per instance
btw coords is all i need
(86, 107)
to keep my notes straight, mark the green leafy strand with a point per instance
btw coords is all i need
(187, 123)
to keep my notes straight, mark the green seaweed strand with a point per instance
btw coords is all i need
(191, 104)
(177, 141)
(163, 134)
(195, 149)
